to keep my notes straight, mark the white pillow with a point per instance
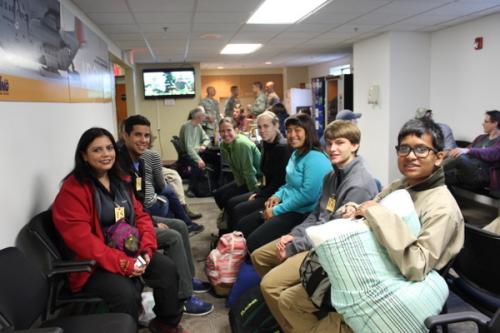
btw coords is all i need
(367, 287)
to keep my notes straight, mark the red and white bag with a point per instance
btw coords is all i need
(223, 262)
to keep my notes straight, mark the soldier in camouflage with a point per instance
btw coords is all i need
(272, 96)
(212, 112)
(259, 105)
(232, 101)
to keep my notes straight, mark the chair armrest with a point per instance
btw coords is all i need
(72, 263)
(37, 330)
(450, 318)
(69, 269)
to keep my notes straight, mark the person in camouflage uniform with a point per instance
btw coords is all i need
(232, 101)
(211, 107)
(259, 105)
(272, 96)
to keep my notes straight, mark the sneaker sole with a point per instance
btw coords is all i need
(199, 314)
(201, 291)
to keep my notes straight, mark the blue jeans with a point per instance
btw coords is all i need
(172, 208)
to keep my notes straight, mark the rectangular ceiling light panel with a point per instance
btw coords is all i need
(240, 48)
(284, 11)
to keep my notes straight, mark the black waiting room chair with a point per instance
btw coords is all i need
(477, 281)
(41, 243)
(24, 291)
(183, 159)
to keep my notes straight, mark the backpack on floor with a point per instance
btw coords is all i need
(250, 314)
(204, 186)
(223, 262)
(247, 278)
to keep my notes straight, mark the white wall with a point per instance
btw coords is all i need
(371, 63)
(39, 141)
(398, 62)
(410, 79)
(465, 82)
(39, 144)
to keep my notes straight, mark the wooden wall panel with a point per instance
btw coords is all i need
(223, 83)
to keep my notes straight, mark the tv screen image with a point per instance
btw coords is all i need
(164, 83)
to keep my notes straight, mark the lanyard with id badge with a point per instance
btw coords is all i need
(138, 184)
(330, 206)
(122, 235)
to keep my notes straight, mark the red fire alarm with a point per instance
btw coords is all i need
(478, 43)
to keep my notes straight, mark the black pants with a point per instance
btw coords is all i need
(212, 159)
(123, 294)
(467, 171)
(259, 233)
(239, 206)
(228, 191)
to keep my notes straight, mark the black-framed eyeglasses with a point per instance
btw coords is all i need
(420, 151)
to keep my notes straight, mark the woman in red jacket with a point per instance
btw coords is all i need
(99, 218)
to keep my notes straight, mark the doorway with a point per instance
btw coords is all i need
(120, 94)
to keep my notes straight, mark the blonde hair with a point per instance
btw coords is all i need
(269, 115)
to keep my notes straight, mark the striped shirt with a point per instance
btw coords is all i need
(153, 177)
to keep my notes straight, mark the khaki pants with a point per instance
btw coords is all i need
(173, 179)
(295, 305)
(276, 277)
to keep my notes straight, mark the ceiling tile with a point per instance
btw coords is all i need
(112, 18)
(429, 19)
(310, 27)
(298, 35)
(119, 28)
(131, 44)
(171, 44)
(162, 17)
(218, 17)
(355, 28)
(250, 37)
(124, 37)
(379, 18)
(228, 5)
(157, 27)
(216, 27)
(323, 35)
(169, 35)
(97, 6)
(264, 27)
(359, 6)
(331, 18)
(464, 8)
(161, 5)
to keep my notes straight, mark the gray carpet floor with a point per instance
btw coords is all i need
(217, 321)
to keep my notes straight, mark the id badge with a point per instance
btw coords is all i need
(119, 213)
(330, 206)
(138, 184)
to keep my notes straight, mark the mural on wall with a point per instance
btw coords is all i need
(49, 55)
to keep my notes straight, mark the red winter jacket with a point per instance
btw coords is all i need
(77, 220)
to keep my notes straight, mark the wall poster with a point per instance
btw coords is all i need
(48, 55)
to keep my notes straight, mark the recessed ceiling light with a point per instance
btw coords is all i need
(220, 67)
(284, 11)
(240, 48)
(211, 36)
(268, 63)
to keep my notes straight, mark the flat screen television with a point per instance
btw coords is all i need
(169, 83)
